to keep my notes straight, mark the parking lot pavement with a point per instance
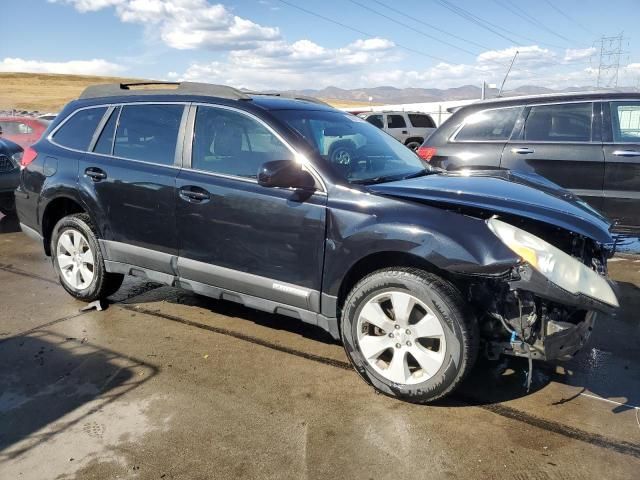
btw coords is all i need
(165, 384)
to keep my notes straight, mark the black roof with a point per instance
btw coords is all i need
(558, 97)
(269, 100)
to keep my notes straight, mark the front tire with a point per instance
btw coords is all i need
(78, 261)
(408, 333)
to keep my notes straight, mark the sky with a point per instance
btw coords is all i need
(298, 44)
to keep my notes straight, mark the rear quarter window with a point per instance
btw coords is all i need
(78, 130)
(488, 125)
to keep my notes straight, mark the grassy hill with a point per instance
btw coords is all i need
(50, 92)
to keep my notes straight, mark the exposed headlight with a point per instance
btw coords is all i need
(17, 157)
(559, 267)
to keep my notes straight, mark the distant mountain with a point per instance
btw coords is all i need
(388, 94)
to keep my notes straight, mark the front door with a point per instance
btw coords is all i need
(129, 177)
(560, 143)
(622, 164)
(236, 234)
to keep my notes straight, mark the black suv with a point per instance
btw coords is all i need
(587, 142)
(234, 196)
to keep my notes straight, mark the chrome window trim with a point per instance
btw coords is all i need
(63, 122)
(308, 165)
(49, 137)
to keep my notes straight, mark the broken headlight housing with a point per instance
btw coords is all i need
(558, 267)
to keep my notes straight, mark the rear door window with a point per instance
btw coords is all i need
(421, 121)
(78, 130)
(489, 125)
(626, 122)
(396, 121)
(104, 145)
(148, 133)
(570, 122)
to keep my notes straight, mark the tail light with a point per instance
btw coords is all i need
(426, 153)
(28, 156)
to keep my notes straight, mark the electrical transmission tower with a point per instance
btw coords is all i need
(611, 53)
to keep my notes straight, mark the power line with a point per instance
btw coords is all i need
(353, 29)
(420, 32)
(529, 18)
(492, 27)
(433, 27)
(565, 15)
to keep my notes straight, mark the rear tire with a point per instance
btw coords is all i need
(78, 260)
(409, 334)
(413, 144)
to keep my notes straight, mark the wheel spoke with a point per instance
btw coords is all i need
(87, 275)
(77, 277)
(398, 370)
(429, 361)
(65, 241)
(372, 313)
(64, 261)
(372, 346)
(403, 304)
(428, 327)
(87, 257)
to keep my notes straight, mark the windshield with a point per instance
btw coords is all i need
(361, 152)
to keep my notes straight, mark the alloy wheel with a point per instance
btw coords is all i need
(401, 337)
(75, 258)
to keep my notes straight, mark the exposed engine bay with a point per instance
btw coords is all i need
(524, 314)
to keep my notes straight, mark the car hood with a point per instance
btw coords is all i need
(7, 147)
(503, 191)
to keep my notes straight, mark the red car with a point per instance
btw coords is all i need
(24, 131)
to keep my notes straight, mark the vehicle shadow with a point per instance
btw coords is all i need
(605, 367)
(9, 224)
(49, 383)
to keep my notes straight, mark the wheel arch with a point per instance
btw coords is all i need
(378, 261)
(414, 139)
(56, 209)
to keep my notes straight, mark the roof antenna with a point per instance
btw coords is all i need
(508, 71)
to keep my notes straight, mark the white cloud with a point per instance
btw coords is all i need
(573, 54)
(187, 24)
(97, 66)
(301, 64)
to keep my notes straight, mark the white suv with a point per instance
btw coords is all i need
(410, 128)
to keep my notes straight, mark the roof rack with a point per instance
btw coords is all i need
(183, 88)
(290, 96)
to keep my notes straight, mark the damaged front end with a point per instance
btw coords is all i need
(545, 306)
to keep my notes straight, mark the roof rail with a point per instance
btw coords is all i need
(290, 96)
(183, 88)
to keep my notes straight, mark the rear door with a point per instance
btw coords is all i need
(397, 127)
(622, 163)
(236, 234)
(562, 143)
(128, 178)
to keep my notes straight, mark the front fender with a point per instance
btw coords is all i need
(372, 224)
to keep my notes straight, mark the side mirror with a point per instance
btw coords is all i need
(285, 174)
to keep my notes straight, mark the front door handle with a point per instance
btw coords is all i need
(194, 194)
(627, 153)
(522, 150)
(95, 174)
(405, 132)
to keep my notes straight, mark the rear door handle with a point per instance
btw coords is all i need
(194, 194)
(627, 153)
(522, 150)
(95, 174)
(405, 132)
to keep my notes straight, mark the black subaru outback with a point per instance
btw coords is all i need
(233, 195)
